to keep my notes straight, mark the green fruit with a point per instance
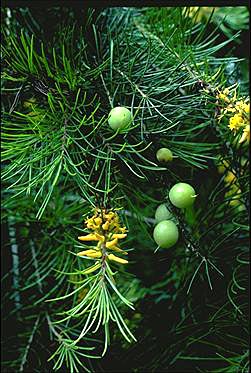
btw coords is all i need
(182, 195)
(162, 213)
(166, 234)
(119, 117)
(164, 155)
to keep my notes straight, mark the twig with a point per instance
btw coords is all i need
(15, 260)
(143, 218)
(36, 266)
(52, 328)
(132, 83)
(21, 369)
(15, 99)
(106, 90)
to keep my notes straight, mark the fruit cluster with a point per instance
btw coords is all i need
(181, 195)
(166, 234)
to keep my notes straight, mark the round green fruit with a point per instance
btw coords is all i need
(162, 213)
(119, 118)
(166, 234)
(164, 155)
(182, 195)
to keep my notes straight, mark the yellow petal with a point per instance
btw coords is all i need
(123, 229)
(119, 235)
(230, 176)
(86, 252)
(117, 249)
(247, 108)
(117, 259)
(105, 226)
(90, 253)
(111, 243)
(100, 237)
(89, 237)
(245, 135)
(98, 221)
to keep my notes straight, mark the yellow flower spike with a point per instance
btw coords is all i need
(89, 237)
(111, 243)
(90, 253)
(117, 259)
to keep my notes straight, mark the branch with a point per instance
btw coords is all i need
(21, 369)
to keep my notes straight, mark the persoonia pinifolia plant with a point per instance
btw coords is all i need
(96, 298)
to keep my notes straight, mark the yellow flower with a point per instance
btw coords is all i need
(123, 229)
(229, 109)
(91, 253)
(94, 223)
(246, 134)
(119, 235)
(222, 167)
(98, 221)
(111, 243)
(230, 176)
(236, 122)
(246, 108)
(203, 12)
(106, 225)
(117, 259)
(234, 202)
(110, 215)
(223, 97)
(242, 106)
(92, 237)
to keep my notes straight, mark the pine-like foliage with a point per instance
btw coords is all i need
(78, 196)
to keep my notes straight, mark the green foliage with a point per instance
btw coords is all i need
(61, 159)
